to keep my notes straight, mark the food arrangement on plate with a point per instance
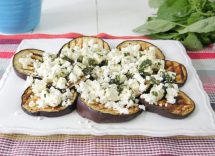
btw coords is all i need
(102, 84)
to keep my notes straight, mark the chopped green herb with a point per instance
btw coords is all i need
(170, 86)
(100, 54)
(132, 98)
(154, 81)
(144, 74)
(80, 59)
(92, 62)
(168, 78)
(154, 93)
(146, 63)
(68, 59)
(140, 54)
(87, 70)
(129, 75)
(126, 54)
(120, 88)
(116, 80)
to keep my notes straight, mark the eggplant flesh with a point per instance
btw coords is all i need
(183, 107)
(179, 69)
(18, 67)
(47, 111)
(98, 113)
(143, 46)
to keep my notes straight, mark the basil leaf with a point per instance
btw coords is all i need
(202, 26)
(164, 36)
(155, 26)
(194, 17)
(192, 42)
(156, 3)
(173, 10)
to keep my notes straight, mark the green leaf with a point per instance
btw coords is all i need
(164, 36)
(156, 3)
(194, 17)
(212, 37)
(155, 26)
(174, 10)
(204, 39)
(192, 42)
(202, 26)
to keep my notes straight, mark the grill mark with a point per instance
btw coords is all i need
(37, 58)
(103, 45)
(30, 65)
(68, 45)
(36, 54)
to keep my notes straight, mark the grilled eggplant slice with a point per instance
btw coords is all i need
(144, 45)
(80, 40)
(184, 106)
(48, 111)
(98, 113)
(179, 69)
(24, 72)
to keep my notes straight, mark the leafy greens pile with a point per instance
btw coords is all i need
(190, 21)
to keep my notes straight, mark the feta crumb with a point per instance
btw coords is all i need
(142, 107)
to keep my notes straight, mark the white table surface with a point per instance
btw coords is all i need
(90, 17)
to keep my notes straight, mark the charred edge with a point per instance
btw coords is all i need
(163, 112)
(63, 112)
(99, 117)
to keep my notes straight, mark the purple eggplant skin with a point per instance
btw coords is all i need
(168, 111)
(66, 111)
(21, 75)
(99, 117)
(162, 112)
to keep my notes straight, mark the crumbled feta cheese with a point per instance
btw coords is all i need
(115, 84)
(156, 93)
(172, 92)
(78, 71)
(38, 86)
(29, 81)
(142, 107)
(27, 60)
(112, 93)
(61, 83)
(72, 77)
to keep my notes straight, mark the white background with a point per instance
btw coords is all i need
(90, 17)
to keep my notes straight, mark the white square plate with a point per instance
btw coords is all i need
(13, 120)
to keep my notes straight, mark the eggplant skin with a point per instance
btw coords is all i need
(100, 117)
(79, 42)
(63, 112)
(21, 75)
(52, 112)
(183, 103)
(20, 72)
(144, 45)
